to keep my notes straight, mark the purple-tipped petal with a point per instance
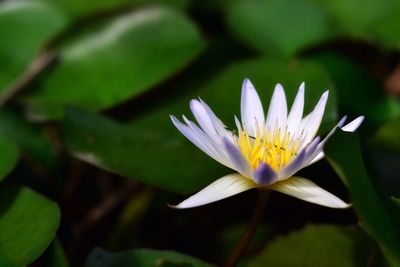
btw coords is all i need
(237, 159)
(264, 175)
(300, 160)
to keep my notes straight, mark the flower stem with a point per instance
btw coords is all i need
(251, 227)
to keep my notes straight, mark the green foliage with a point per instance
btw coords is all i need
(78, 9)
(388, 135)
(8, 157)
(117, 61)
(142, 258)
(55, 255)
(379, 215)
(28, 223)
(343, 13)
(30, 138)
(108, 145)
(357, 90)
(317, 245)
(25, 26)
(307, 26)
(121, 67)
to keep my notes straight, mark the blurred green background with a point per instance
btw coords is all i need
(89, 159)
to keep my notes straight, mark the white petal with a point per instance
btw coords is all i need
(314, 121)
(224, 187)
(238, 124)
(352, 126)
(201, 140)
(202, 117)
(277, 111)
(296, 112)
(318, 157)
(251, 108)
(308, 191)
(318, 153)
(218, 124)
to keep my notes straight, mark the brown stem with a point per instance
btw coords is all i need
(251, 227)
(36, 67)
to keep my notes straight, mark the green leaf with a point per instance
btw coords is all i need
(55, 255)
(151, 150)
(30, 138)
(279, 26)
(119, 60)
(378, 214)
(388, 135)
(386, 31)
(8, 157)
(354, 17)
(317, 245)
(359, 93)
(78, 9)
(142, 258)
(4, 262)
(24, 28)
(28, 224)
(156, 158)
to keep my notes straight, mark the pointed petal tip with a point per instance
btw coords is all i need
(173, 118)
(342, 121)
(247, 85)
(173, 206)
(302, 86)
(307, 190)
(353, 125)
(279, 87)
(224, 187)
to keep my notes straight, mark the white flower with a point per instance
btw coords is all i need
(266, 152)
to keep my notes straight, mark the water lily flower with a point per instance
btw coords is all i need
(266, 152)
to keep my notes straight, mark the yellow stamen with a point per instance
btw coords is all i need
(275, 148)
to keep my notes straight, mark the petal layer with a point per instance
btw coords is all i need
(277, 111)
(308, 191)
(224, 187)
(251, 108)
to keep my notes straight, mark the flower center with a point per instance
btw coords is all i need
(271, 148)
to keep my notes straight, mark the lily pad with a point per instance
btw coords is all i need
(28, 224)
(30, 138)
(359, 93)
(388, 135)
(317, 245)
(78, 9)
(142, 258)
(279, 26)
(55, 255)
(25, 26)
(354, 18)
(9, 156)
(120, 59)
